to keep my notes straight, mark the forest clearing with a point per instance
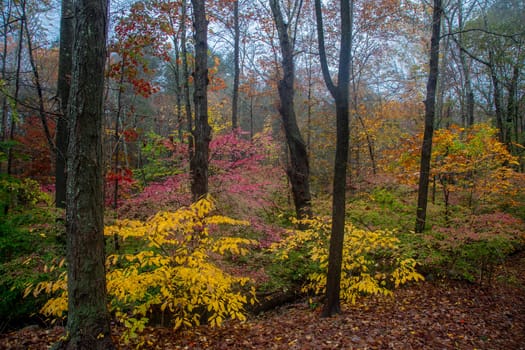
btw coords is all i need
(233, 174)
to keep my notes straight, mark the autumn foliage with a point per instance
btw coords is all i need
(173, 274)
(373, 262)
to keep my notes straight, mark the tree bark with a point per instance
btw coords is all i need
(177, 72)
(186, 78)
(6, 17)
(298, 168)
(88, 318)
(202, 131)
(430, 104)
(65, 61)
(38, 85)
(340, 93)
(237, 70)
(14, 111)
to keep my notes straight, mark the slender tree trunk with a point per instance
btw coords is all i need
(36, 75)
(178, 88)
(186, 78)
(468, 94)
(512, 109)
(12, 125)
(116, 152)
(369, 142)
(496, 90)
(237, 69)
(430, 103)
(251, 118)
(6, 24)
(298, 168)
(340, 94)
(64, 78)
(202, 131)
(309, 112)
(88, 318)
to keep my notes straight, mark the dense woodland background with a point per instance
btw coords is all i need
(219, 184)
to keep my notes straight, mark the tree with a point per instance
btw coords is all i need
(430, 105)
(237, 69)
(340, 94)
(88, 318)
(298, 169)
(63, 86)
(202, 131)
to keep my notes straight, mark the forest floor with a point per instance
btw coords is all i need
(427, 315)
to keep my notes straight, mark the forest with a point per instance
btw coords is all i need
(262, 174)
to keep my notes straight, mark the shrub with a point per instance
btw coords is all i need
(372, 260)
(470, 250)
(173, 273)
(20, 193)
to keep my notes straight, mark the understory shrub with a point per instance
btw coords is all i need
(373, 262)
(471, 249)
(29, 236)
(174, 273)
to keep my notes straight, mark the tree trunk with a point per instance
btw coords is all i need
(468, 94)
(340, 94)
(430, 103)
(14, 111)
(512, 110)
(202, 131)
(63, 86)
(298, 169)
(176, 72)
(237, 70)
(88, 318)
(38, 85)
(6, 16)
(497, 99)
(186, 78)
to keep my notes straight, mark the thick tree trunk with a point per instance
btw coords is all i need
(64, 78)
(88, 318)
(202, 131)
(341, 97)
(298, 169)
(430, 103)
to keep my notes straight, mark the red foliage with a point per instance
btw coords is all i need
(33, 156)
(125, 186)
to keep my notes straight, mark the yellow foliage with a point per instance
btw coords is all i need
(372, 260)
(173, 273)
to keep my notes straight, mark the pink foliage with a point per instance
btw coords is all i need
(269, 233)
(241, 170)
(168, 194)
(483, 227)
(243, 179)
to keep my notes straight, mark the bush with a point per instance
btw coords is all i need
(23, 252)
(173, 273)
(470, 250)
(373, 263)
(19, 193)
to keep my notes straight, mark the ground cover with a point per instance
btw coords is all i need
(429, 315)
